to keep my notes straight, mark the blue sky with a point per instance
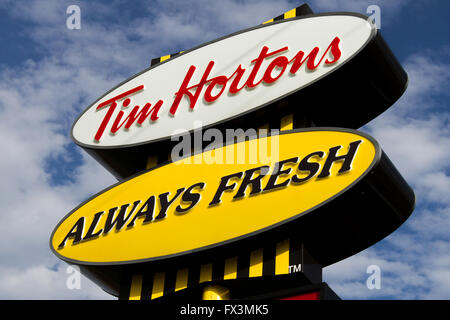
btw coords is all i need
(49, 74)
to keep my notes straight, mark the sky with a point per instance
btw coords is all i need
(49, 74)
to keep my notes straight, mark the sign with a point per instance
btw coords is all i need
(178, 209)
(222, 80)
(257, 214)
(295, 65)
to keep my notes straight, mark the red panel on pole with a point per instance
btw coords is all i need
(304, 296)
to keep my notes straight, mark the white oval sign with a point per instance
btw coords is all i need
(222, 80)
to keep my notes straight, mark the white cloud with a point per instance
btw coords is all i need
(415, 134)
(39, 282)
(433, 224)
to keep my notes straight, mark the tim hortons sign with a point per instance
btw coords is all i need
(323, 194)
(334, 69)
(337, 181)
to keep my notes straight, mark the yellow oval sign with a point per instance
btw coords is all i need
(215, 197)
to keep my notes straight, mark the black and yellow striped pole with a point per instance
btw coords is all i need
(270, 260)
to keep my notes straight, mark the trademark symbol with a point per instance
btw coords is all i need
(295, 268)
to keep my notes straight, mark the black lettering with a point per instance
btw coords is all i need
(255, 182)
(348, 159)
(165, 203)
(278, 171)
(90, 234)
(76, 233)
(146, 210)
(120, 220)
(223, 187)
(188, 196)
(304, 165)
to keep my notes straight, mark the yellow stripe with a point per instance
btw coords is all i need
(182, 279)
(152, 162)
(287, 122)
(164, 58)
(256, 263)
(268, 21)
(136, 287)
(282, 257)
(290, 14)
(206, 272)
(230, 271)
(158, 285)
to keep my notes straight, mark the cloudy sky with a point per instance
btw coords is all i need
(49, 74)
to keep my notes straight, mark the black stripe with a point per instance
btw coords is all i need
(275, 123)
(125, 287)
(218, 270)
(243, 266)
(169, 281)
(302, 120)
(270, 251)
(295, 251)
(303, 10)
(147, 286)
(193, 276)
(174, 54)
(154, 61)
(281, 17)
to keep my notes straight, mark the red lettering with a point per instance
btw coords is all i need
(311, 57)
(112, 106)
(217, 81)
(281, 62)
(220, 80)
(131, 118)
(335, 51)
(298, 62)
(184, 90)
(239, 73)
(258, 61)
(278, 67)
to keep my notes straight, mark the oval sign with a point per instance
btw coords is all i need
(224, 79)
(215, 198)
